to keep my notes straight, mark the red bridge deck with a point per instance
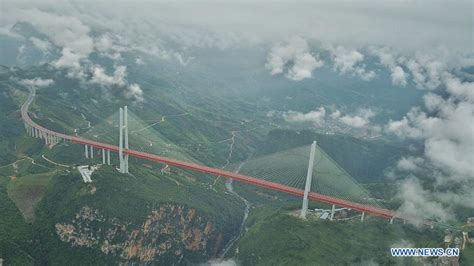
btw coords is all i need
(212, 171)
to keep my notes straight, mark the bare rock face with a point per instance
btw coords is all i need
(168, 234)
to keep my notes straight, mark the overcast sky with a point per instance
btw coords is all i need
(403, 24)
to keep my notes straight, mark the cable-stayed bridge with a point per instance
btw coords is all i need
(332, 185)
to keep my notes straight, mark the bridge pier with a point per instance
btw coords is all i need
(309, 177)
(86, 151)
(108, 157)
(333, 209)
(92, 152)
(103, 156)
(391, 219)
(362, 217)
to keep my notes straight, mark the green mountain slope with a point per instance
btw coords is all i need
(276, 238)
(50, 216)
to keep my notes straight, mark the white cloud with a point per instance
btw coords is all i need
(69, 59)
(448, 136)
(134, 92)
(410, 163)
(104, 43)
(397, 23)
(315, 117)
(447, 131)
(293, 57)
(349, 61)
(182, 59)
(427, 71)
(111, 46)
(404, 128)
(304, 64)
(64, 31)
(43, 45)
(100, 77)
(188, 24)
(462, 90)
(419, 203)
(118, 79)
(139, 61)
(37, 82)
(432, 101)
(358, 120)
(398, 75)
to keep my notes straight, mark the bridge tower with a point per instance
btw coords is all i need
(309, 177)
(123, 140)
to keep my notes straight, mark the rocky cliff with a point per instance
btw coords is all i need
(169, 233)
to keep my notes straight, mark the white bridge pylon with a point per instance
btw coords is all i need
(123, 144)
(123, 140)
(309, 178)
(307, 188)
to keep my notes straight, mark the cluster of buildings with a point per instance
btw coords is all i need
(452, 240)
